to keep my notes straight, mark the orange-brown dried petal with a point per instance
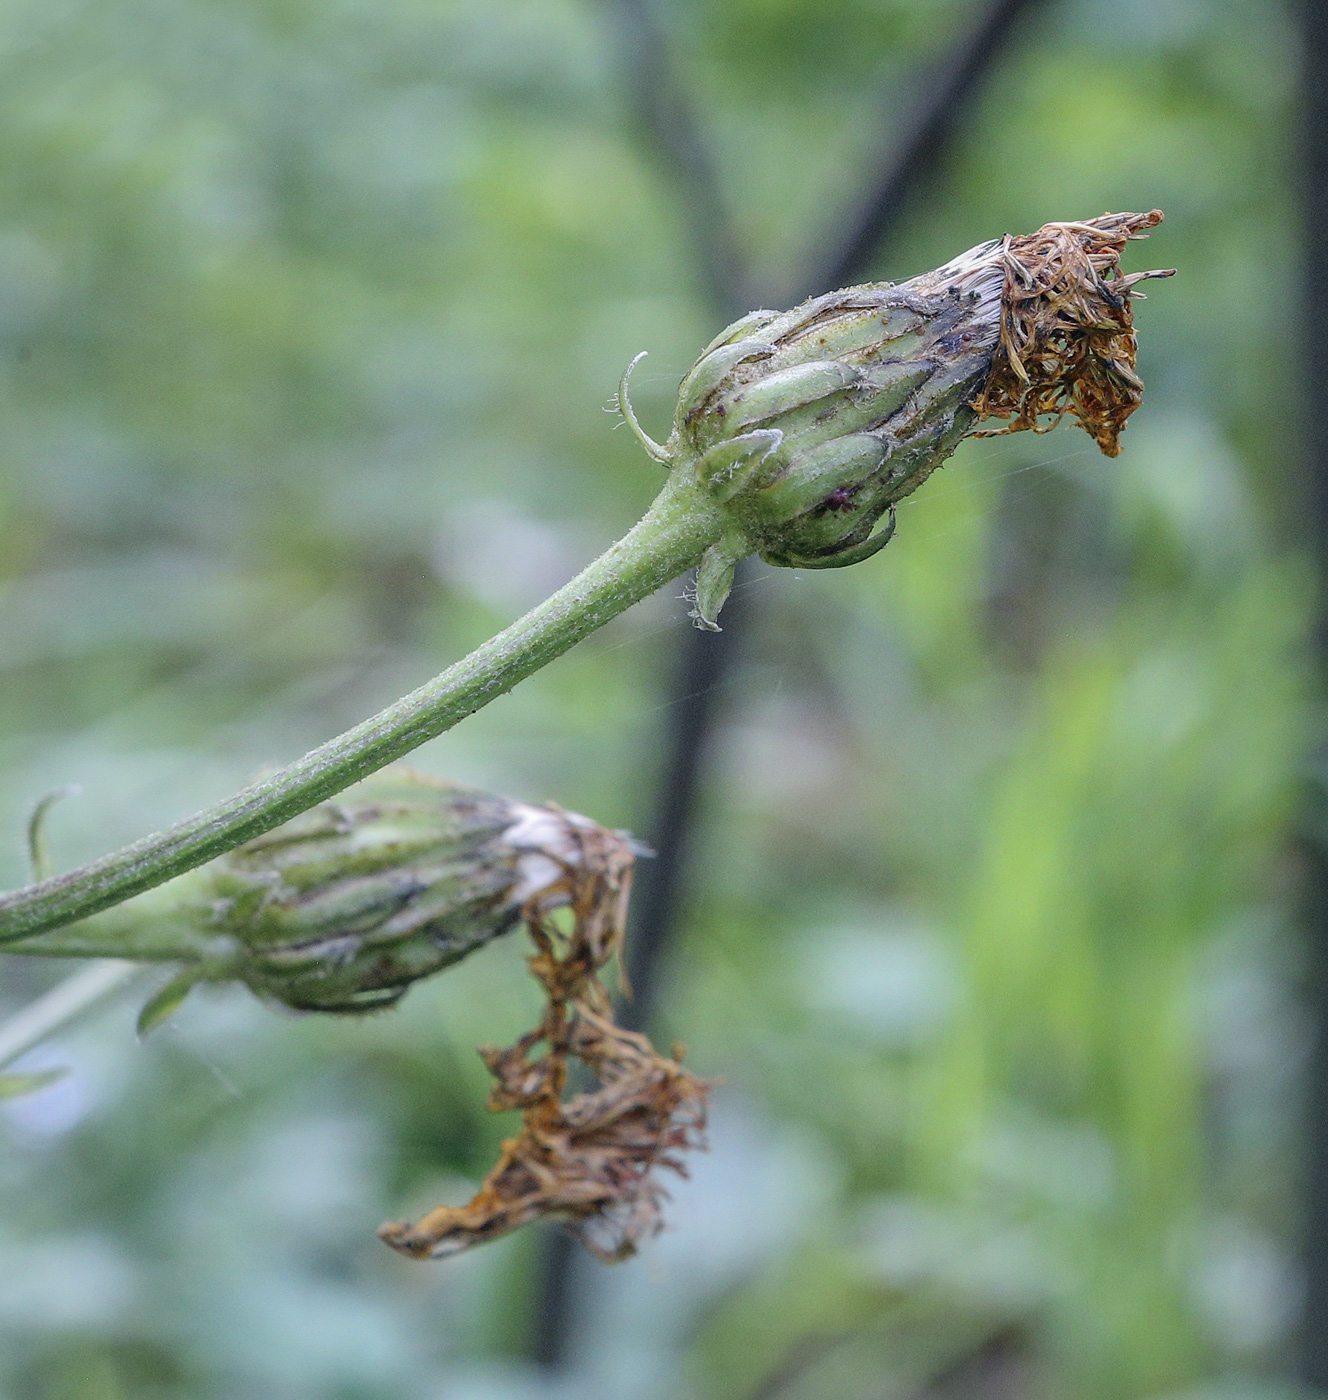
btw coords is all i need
(1067, 342)
(588, 1163)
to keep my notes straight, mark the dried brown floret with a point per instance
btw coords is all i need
(588, 1162)
(1067, 337)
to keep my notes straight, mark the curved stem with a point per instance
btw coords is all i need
(679, 527)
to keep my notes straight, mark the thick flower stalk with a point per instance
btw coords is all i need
(796, 435)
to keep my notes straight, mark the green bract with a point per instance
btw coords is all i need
(344, 907)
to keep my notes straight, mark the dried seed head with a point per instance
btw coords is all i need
(589, 1162)
(344, 907)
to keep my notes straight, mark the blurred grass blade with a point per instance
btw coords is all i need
(13, 1086)
(66, 1003)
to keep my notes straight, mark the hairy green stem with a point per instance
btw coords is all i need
(671, 538)
(160, 925)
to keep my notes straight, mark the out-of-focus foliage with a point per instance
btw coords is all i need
(307, 311)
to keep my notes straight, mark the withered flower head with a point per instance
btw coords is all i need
(587, 1162)
(343, 908)
(808, 426)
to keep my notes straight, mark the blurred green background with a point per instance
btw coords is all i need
(308, 311)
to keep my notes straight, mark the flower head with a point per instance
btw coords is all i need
(809, 425)
(343, 908)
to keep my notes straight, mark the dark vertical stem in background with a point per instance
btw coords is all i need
(909, 160)
(705, 660)
(666, 120)
(1315, 352)
(663, 113)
